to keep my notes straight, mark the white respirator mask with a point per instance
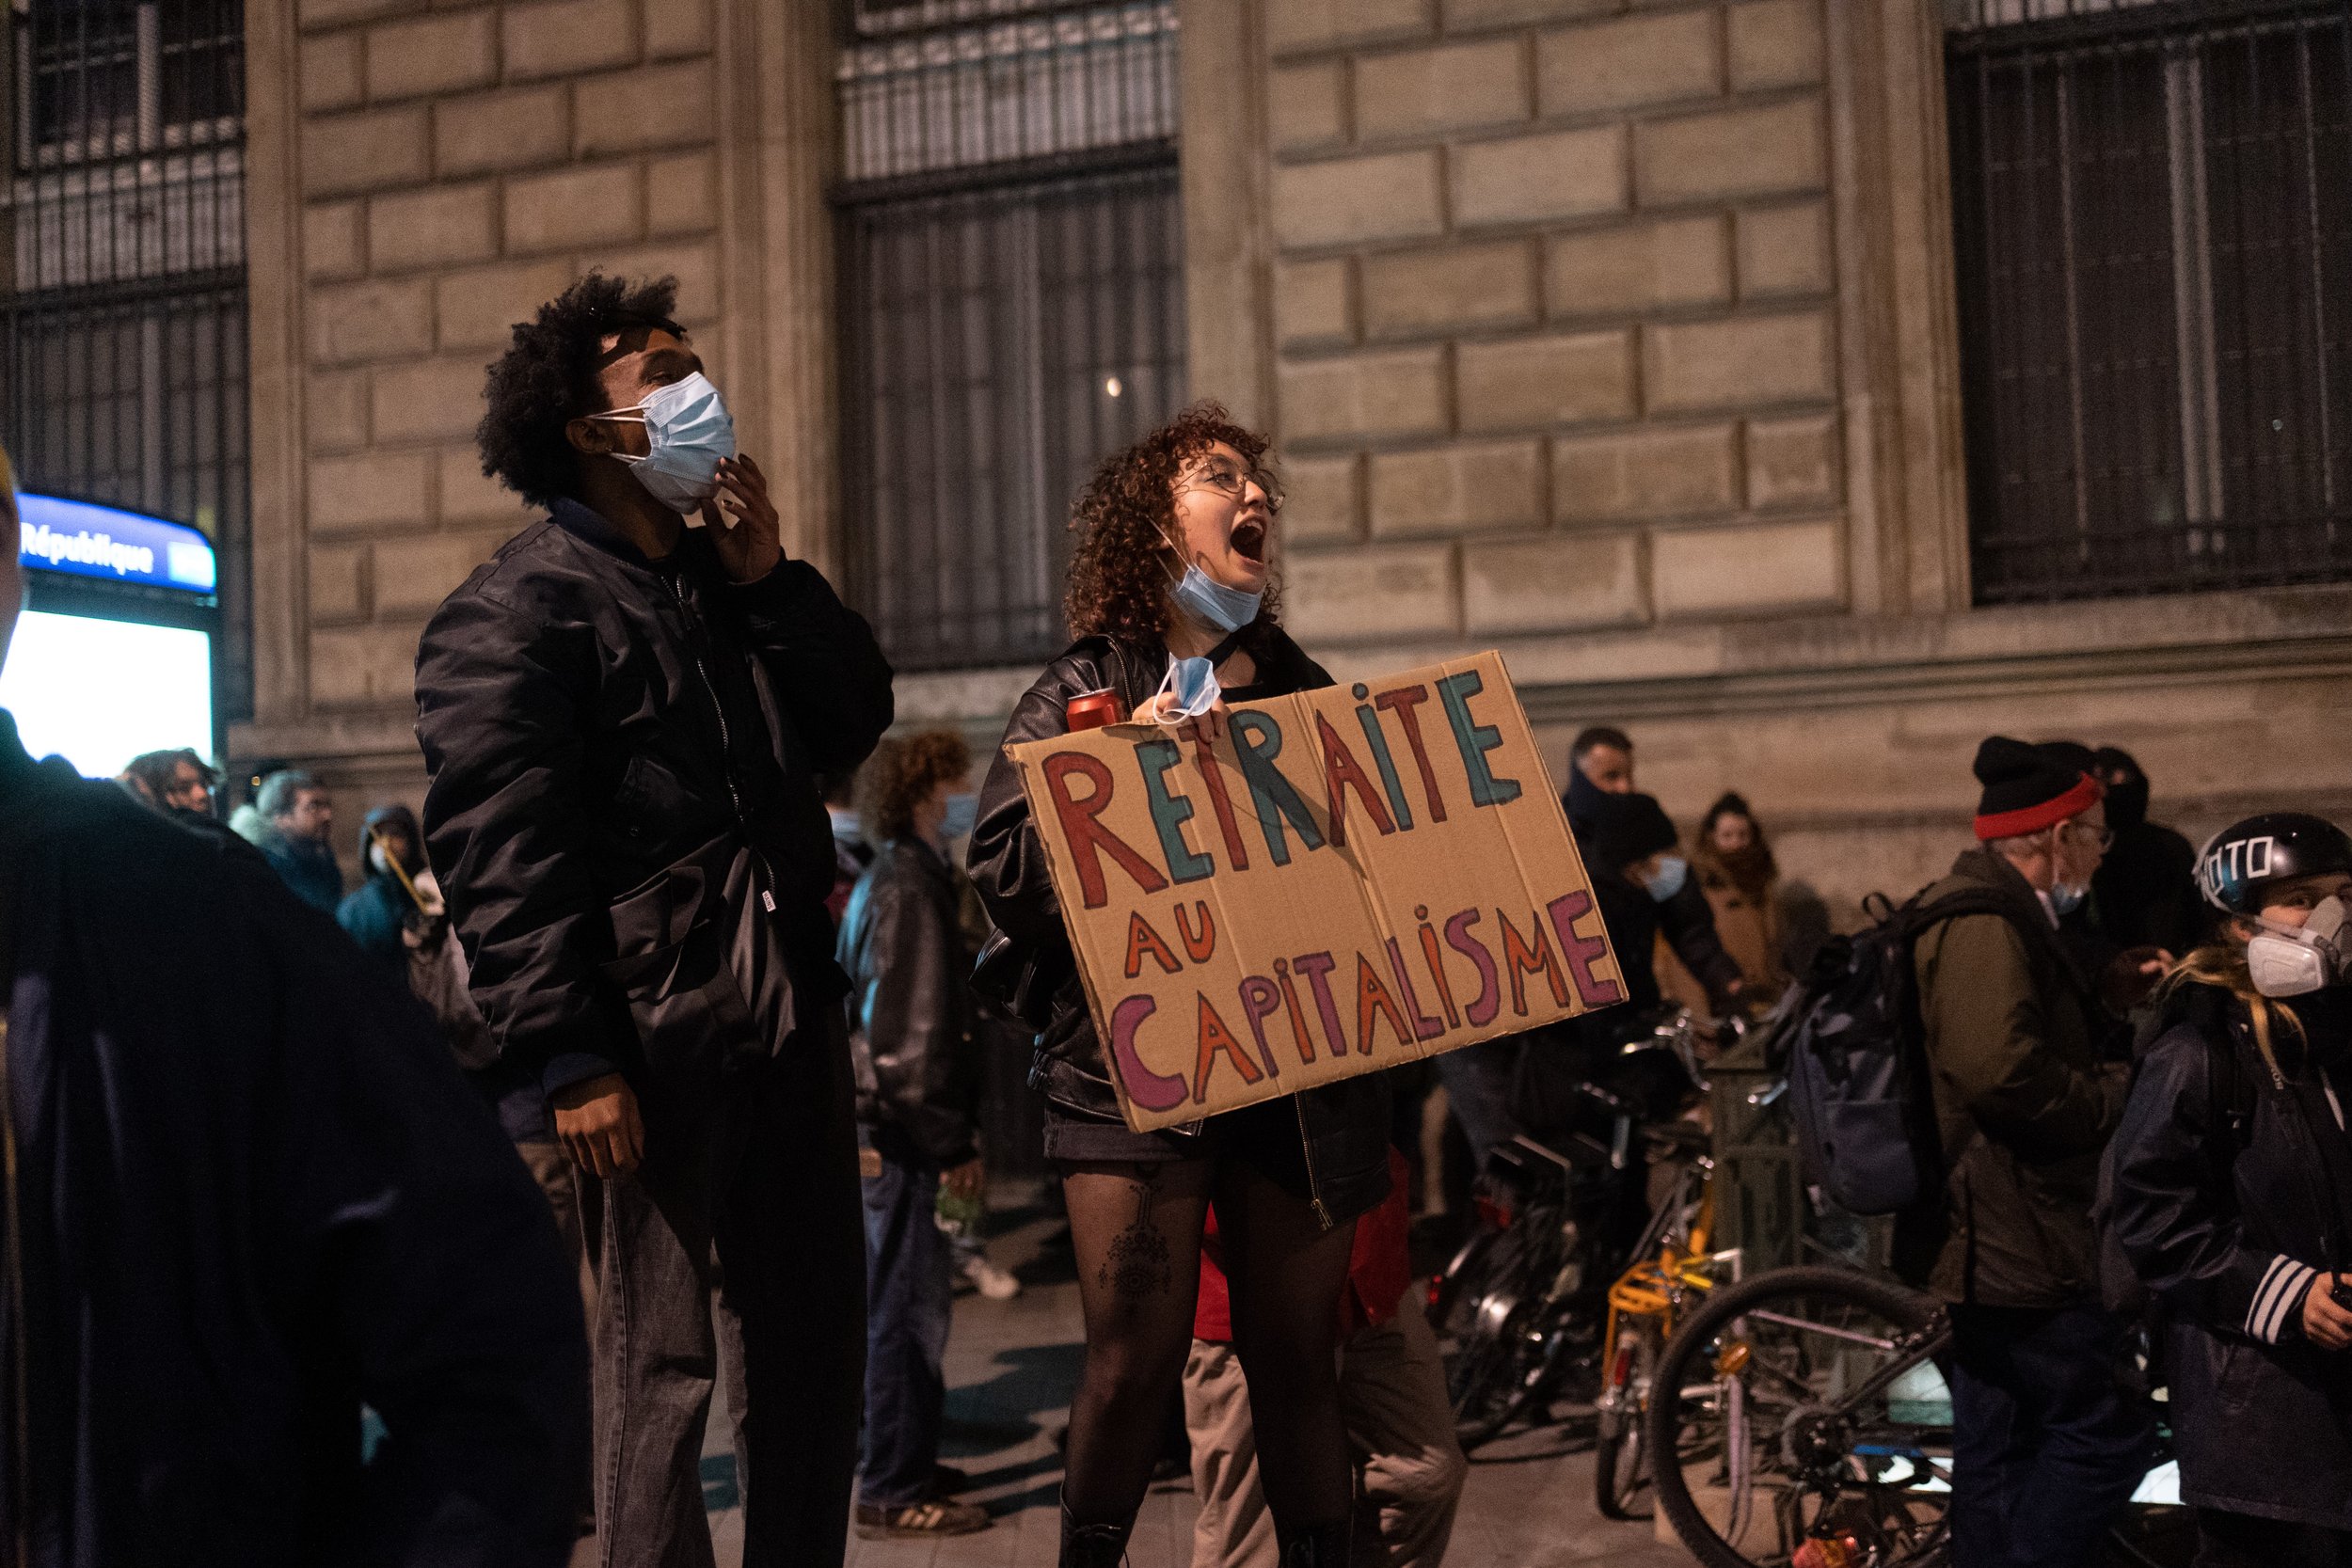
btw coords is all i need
(2296, 960)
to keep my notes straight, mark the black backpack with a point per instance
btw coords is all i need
(1856, 1048)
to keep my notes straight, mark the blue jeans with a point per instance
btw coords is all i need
(910, 1293)
(2046, 1445)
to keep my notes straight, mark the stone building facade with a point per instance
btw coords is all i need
(1618, 336)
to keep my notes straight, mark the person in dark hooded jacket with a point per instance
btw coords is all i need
(245, 1195)
(2231, 1177)
(2145, 892)
(377, 912)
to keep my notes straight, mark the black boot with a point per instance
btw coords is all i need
(1092, 1545)
(1319, 1546)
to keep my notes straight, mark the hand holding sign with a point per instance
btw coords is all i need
(1333, 883)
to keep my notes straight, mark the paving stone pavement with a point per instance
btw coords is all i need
(1010, 1370)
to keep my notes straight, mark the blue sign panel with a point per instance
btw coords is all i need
(92, 541)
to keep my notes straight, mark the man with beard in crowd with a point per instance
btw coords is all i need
(245, 1195)
(625, 715)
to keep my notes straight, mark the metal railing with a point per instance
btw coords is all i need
(1012, 283)
(2154, 226)
(123, 369)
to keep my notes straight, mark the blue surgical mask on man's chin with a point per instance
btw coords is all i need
(2066, 898)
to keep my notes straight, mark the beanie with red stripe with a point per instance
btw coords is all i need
(2028, 788)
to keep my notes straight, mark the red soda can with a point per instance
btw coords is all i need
(1093, 711)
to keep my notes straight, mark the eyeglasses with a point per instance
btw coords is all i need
(1233, 486)
(2103, 837)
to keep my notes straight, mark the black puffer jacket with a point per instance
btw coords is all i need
(1344, 1124)
(592, 720)
(910, 1003)
(2231, 1189)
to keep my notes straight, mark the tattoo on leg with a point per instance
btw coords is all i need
(1137, 1264)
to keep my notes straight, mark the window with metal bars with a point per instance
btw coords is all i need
(2154, 225)
(1013, 301)
(122, 315)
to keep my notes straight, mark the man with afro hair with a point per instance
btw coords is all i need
(625, 716)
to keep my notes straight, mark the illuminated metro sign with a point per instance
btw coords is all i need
(87, 539)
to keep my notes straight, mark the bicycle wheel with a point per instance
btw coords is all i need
(1464, 1278)
(1498, 1347)
(1805, 1403)
(1620, 1442)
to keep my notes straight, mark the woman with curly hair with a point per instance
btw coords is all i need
(918, 1099)
(1172, 564)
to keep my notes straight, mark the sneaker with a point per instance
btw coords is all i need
(918, 1520)
(995, 1283)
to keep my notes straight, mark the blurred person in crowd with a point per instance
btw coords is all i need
(386, 914)
(852, 854)
(297, 814)
(396, 916)
(244, 1196)
(625, 714)
(1171, 605)
(1601, 764)
(2232, 1197)
(174, 782)
(1409, 1468)
(911, 1046)
(2145, 894)
(2046, 1444)
(1732, 863)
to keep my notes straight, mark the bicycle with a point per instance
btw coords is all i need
(1671, 1263)
(1807, 1423)
(1523, 1301)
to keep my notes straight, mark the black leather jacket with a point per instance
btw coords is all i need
(1344, 1125)
(910, 1045)
(2230, 1190)
(597, 724)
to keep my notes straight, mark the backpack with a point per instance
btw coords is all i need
(1859, 1088)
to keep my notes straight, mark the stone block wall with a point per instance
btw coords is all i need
(454, 168)
(1553, 300)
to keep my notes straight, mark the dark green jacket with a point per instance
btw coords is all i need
(2023, 1102)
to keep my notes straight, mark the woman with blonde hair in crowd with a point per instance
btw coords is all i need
(2231, 1177)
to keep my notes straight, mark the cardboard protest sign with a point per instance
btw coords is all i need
(1353, 878)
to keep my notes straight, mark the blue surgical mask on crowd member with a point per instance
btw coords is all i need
(688, 433)
(2066, 898)
(1193, 682)
(1664, 882)
(963, 815)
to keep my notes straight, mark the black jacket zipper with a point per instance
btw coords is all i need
(694, 637)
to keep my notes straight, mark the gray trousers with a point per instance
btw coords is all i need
(747, 1201)
(1400, 1433)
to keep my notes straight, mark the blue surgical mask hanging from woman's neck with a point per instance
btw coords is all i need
(688, 433)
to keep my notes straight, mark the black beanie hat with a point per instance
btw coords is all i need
(2028, 787)
(1629, 828)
